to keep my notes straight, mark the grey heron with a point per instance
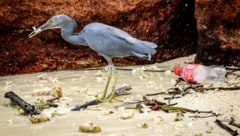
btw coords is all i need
(108, 41)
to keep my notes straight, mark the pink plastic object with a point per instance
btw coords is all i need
(187, 72)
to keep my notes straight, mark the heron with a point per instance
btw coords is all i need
(106, 40)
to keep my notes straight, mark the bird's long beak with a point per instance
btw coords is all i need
(40, 29)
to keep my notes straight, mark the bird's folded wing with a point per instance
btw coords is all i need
(121, 34)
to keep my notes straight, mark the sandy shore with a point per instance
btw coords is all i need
(84, 85)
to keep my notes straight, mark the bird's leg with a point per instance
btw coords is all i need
(112, 71)
(115, 76)
(112, 96)
(106, 86)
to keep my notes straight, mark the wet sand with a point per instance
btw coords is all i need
(84, 85)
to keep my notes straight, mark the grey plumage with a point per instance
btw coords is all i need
(108, 41)
(102, 38)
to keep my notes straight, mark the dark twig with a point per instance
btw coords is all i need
(118, 92)
(28, 108)
(138, 107)
(153, 94)
(50, 102)
(206, 116)
(85, 105)
(121, 91)
(52, 105)
(53, 99)
(145, 70)
(179, 80)
(156, 105)
(233, 73)
(236, 88)
(168, 108)
(149, 70)
(233, 123)
(172, 97)
(233, 68)
(197, 87)
(175, 91)
(225, 127)
(129, 103)
(152, 102)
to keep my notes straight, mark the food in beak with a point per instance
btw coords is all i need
(34, 32)
(39, 29)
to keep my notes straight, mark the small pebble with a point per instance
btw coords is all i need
(38, 118)
(42, 77)
(54, 79)
(21, 112)
(167, 73)
(10, 121)
(125, 116)
(179, 116)
(190, 124)
(89, 127)
(99, 79)
(143, 125)
(98, 74)
(173, 82)
(57, 92)
(137, 70)
(107, 112)
(158, 120)
(8, 83)
(209, 130)
(60, 112)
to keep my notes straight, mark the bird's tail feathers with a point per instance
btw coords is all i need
(150, 44)
(144, 49)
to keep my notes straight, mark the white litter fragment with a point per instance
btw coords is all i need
(167, 73)
(128, 115)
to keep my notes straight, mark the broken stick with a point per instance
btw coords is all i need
(118, 92)
(28, 108)
(225, 127)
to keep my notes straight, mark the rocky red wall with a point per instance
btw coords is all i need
(169, 23)
(218, 23)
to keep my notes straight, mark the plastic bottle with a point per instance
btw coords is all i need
(197, 73)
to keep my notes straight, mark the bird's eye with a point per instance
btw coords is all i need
(52, 21)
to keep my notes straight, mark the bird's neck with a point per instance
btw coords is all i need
(68, 34)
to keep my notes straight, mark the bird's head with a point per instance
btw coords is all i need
(57, 21)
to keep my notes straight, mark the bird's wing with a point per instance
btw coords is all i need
(121, 34)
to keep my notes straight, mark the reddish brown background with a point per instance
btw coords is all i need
(172, 24)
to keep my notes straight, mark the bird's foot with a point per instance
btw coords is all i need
(112, 97)
(115, 99)
(101, 99)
